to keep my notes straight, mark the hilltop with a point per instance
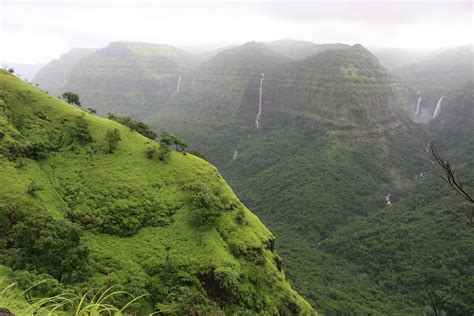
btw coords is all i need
(76, 210)
(297, 50)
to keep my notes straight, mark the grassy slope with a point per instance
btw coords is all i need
(95, 176)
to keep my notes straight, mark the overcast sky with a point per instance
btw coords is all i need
(40, 30)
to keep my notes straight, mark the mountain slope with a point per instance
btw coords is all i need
(443, 72)
(335, 141)
(26, 71)
(297, 50)
(54, 76)
(172, 229)
(437, 76)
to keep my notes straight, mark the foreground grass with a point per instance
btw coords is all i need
(90, 304)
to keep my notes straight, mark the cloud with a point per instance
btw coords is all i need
(37, 31)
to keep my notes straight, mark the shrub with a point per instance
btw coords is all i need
(197, 154)
(150, 152)
(32, 188)
(48, 245)
(163, 152)
(81, 130)
(71, 98)
(207, 204)
(169, 139)
(112, 138)
(137, 126)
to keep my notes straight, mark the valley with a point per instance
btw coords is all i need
(313, 138)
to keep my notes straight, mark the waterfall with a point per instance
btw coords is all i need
(192, 84)
(257, 119)
(418, 103)
(64, 77)
(235, 155)
(438, 107)
(179, 82)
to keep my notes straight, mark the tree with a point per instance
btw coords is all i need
(71, 98)
(48, 245)
(163, 152)
(437, 300)
(452, 179)
(150, 152)
(137, 126)
(92, 110)
(181, 145)
(112, 137)
(169, 139)
(208, 204)
(11, 70)
(166, 138)
(81, 129)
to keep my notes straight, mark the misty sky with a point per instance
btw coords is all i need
(40, 30)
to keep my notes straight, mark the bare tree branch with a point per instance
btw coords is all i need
(437, 301)
(453, 180)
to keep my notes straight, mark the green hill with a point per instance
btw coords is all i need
(172, 230)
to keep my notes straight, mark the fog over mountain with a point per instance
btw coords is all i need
(236, 157)
(90, 24)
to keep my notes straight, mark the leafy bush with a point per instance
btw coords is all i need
(163, 152)
(72, 98)
(81, 130)
(32, 188)
(48, 245)
(169, 139)
(176, 291)
(208, 204)
(122, 210)
(137, 126)
(150, 152)
(112, 138)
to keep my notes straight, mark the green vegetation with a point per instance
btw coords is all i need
(13, 298)
(71, 98)
(123, 220)
(112, 138)
(334, 140)
(133, 125)
(47, 245)
(168, 140)
(81, 129)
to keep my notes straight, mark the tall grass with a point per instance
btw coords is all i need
(88, 304)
